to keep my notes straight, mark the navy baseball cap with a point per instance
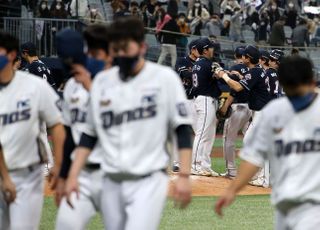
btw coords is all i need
(70, 46)
(239, 51)
(204, 43)
(251, 52)
(28, 47)
(193, 44)
(264, 54)
(276, 55)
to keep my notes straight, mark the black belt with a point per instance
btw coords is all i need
(29, 168)
(121, 177)
(92, 166)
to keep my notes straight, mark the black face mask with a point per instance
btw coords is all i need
(126, 66)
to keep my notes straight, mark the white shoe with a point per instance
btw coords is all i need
(209, 172)
(194, 172)
(257, 182)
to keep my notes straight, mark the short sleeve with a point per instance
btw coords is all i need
(66, 115)
(257, 141)
(179, 111)
(89, 126)
(248, 81)
(50, 105)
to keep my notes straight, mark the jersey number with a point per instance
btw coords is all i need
(276, 89)
(195, 82)
(44, 76)
(268, 84)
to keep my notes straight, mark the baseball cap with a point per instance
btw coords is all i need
(28, 47)
(193, 44)
(70, 46)
(264, 54)
(276, 55)
(204, 43)
(252, 52)
(239, 51)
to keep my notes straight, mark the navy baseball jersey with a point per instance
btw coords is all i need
(274, 82)
(203, 81)
(256, 83)
(39, 69)
(184, 69)
(242, 96)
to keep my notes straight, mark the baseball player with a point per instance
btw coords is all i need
(76, 98)
(38, 68)
(26, 101)
(206, 92)
(286, 132)
(240, 115)
(264, 59)
(133, 106)
(275, 59)
(184, 69)
(257, 84)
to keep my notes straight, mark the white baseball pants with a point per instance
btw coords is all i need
(134, 204)
(205, 131)
(238, 120)
(25, 212)
(88, 204)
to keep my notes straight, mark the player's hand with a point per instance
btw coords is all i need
(223, 110)
(53, 176)
(9, 190)
(224, 201)
(72, 185)
(60, 191)
(182, 192)
(82, 75)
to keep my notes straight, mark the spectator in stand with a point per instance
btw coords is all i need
(226, 28)
(44, 12)
(93, 16)
(159, 15)
(135, 10)
(197, 16)
(214, 26)
(255, 22)
(28, 7)
(291, 14)
(184, 29)
(58, 10)
(300, 34)
(235, 25)
(168, 40)
(263, 27)
(121, 9)
(274, 14)
(151, 10)
(277, 36)
(227, 8)
(78, 8)
(172, 8)
(144, 14)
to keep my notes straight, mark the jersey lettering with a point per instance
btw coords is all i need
(307, 146)
(78, 116)
(10, 118)
(110, 119)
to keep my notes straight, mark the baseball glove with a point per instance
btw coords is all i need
(216, 68)
(221, 116)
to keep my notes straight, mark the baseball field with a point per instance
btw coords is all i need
(251, 210)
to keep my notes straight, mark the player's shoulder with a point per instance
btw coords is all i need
(70, 85)
(160, 72)
(29, 78)
(277, 106)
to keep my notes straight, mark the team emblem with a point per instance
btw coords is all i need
(277, 130)
(74, 100)
(105, 102)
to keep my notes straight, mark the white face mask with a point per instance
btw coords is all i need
(58, 7)
(93, 11)
(43, 6)
(291, 5)
(197, 4)
(273, 7)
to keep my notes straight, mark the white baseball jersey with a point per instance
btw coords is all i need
(291, 141)
(74, 110)
(25, 102)
(132, 119)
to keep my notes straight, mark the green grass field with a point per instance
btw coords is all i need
(247, 213)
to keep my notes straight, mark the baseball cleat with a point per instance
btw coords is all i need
(209, 172)
(258, 182)
(228, 175)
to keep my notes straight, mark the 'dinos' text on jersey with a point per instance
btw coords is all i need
(109, 118)
(297, 147)
(22, 113)
(78, 116)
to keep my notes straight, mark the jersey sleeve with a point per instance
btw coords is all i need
(66, 115)
(50, 105)
(89, 126)
(257, 141)
(179, 112)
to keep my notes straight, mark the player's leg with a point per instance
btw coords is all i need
(145, 201)
(193, 113)
(304, 217)
(280, 221)
(25, 211)
(173, 55)
(112, 205)
(84, 209)
(163, 54)
(4, 213)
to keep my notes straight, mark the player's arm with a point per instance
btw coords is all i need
(7, 186)
(236, 86)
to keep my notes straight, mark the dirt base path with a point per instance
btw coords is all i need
(205, 186)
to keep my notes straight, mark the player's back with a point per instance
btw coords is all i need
(23, 104)
(272, 74)
(204, 83)
(40, 69)
(294, 152)
(132, 118)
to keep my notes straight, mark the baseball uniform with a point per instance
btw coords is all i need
(290, 140)
(26, 102)
(206, 92)
(275, 91)
(76, 100)
(131, 120)
(238, 120)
